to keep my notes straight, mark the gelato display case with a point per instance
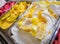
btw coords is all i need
(30, 22)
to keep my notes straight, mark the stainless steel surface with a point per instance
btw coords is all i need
(6, 37)
(56, 30)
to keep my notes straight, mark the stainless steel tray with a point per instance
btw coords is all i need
(56, 31)
(5, 38)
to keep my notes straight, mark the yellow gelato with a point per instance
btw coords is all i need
(11, 16)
